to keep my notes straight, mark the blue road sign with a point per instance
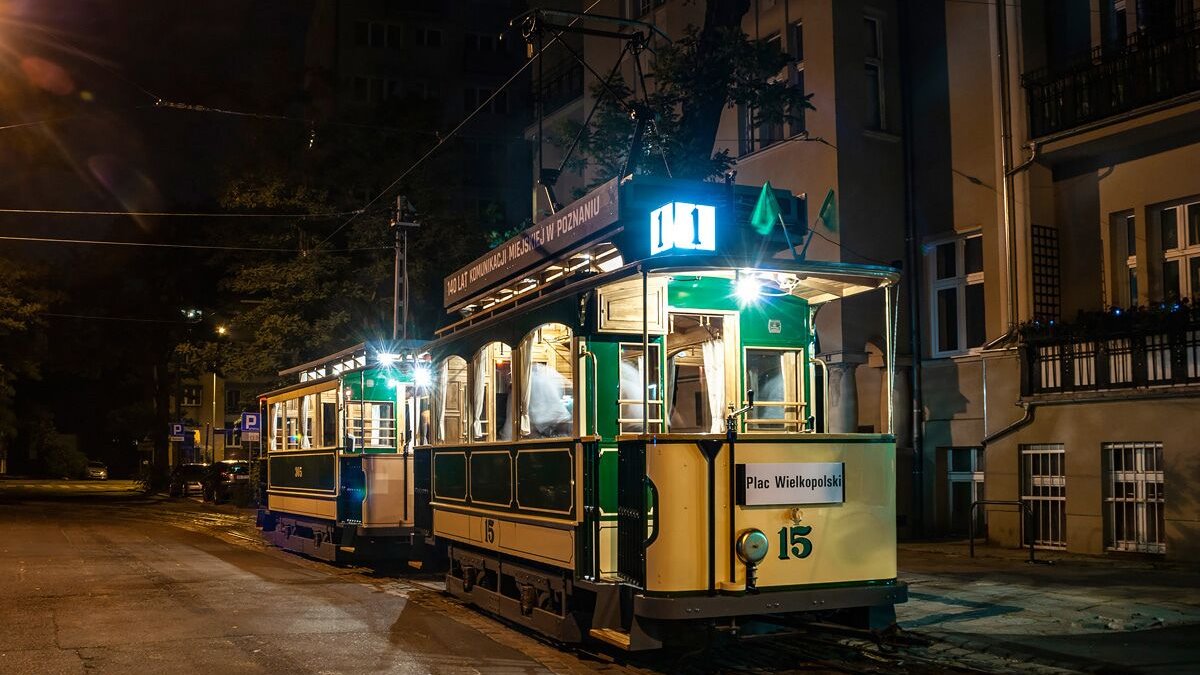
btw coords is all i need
(176, 433)
(251, 422)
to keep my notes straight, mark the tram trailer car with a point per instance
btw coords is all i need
(596, 462)
(339, 460)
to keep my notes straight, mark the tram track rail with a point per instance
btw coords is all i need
(795, 648)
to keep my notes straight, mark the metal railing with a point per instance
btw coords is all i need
(1028, 510)
(1147, 67)
(1121, 360)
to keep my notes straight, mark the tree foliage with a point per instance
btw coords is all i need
(690, 83)
(21, 345)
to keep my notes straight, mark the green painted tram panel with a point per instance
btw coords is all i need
(303, 471)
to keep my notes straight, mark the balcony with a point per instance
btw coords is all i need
(1146, 350)
(1113, 79)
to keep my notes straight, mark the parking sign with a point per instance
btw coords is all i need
(251, 427)
(176, 433)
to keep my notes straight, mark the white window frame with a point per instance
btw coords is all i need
(975, 476)
(961, 280)
(796, 73)
(1184, 251)
(877, 62)
(1129, 290)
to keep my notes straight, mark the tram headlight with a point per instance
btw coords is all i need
(748, 289)
(752, 546)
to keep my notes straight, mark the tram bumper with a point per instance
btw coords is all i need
(881, 596)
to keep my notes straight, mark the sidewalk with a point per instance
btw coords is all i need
(1082, 613)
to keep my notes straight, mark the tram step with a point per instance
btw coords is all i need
(611, 636)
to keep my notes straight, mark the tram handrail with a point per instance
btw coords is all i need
(1021, 503)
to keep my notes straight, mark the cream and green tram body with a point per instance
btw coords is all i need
(592, 459)
(339, 457)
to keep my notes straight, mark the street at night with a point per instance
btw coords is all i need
(100, 578)
(620, 336)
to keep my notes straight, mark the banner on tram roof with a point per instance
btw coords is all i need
(547, 239)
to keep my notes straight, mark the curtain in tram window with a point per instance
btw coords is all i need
(714, 381)
(526, 382)
(306, 419)
(443, 387)
(478, 400)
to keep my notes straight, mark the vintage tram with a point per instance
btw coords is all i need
(339, 456)
(622, 435)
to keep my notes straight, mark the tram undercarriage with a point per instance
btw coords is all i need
(621, 615)
(326, 540)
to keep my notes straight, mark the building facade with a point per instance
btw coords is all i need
(1059, 218)
(1030, 165)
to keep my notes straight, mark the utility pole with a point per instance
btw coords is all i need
(403, 218)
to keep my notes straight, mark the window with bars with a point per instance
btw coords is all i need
(1134, 499)
(1044, 488)
(1047, 299)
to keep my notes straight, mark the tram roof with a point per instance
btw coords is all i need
(356, 357)
(660, 224)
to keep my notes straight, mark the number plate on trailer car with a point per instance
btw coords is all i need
(240, 476)
(791, 483)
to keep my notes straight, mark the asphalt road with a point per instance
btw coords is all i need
(96, 577)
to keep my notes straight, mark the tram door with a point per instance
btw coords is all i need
(700, 365)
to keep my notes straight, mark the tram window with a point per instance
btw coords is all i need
(547, 386)
(696, 373)
(373, 423)
(544, 479)
(491, 393)
(277, 426)
(328, 402)
(451, 397)
(291, 421)
(450, 475)
(491, 477)
(308, 420)
(774, 375)
(631, 383)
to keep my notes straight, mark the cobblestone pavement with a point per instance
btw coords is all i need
(1080, 613)
(105, 578)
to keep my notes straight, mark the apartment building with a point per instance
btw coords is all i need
(1059, 214)
(210, 408)
(1031, 165)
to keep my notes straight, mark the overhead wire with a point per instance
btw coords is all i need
(179, 214)
(147, 244)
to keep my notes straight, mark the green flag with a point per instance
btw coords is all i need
(828, 213)
(766, 211)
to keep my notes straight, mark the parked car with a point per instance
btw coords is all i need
(186, 479)
(221, 478)
(97, 471)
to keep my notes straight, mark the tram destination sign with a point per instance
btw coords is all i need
(545, 240)
(791, 483)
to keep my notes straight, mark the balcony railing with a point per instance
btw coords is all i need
(1147, 68)
(1155, 357)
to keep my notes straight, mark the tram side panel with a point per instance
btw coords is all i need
(510, 515)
